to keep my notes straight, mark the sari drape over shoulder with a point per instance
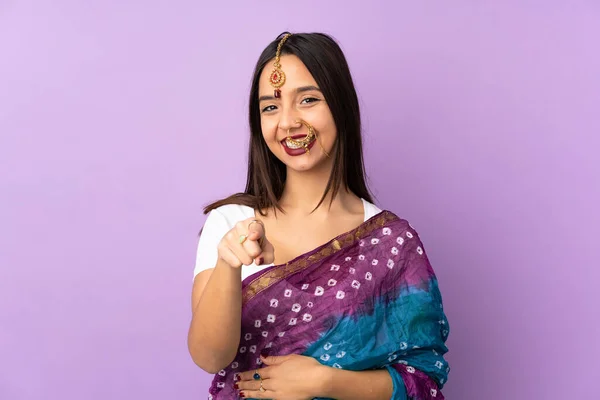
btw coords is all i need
(368, 299)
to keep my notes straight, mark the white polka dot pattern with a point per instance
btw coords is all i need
(340, 286)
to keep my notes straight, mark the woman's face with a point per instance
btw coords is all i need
(301, 99)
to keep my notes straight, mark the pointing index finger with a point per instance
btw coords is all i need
(256, 229)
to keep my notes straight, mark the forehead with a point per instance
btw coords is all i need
(296, 74)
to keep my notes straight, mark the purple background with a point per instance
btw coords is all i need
(118, 122)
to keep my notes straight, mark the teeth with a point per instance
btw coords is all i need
(292, 146)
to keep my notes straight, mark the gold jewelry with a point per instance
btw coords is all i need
(255, 221)
(243, 238)
(321, 146)
(262, 389)
(296, 144)
(277, 77)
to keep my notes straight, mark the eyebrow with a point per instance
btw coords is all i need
(301, 89)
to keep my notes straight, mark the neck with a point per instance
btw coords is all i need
(304, 189)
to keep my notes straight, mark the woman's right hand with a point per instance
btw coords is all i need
(255, 248)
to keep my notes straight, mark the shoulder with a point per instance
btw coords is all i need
(219, 221)
(230, 214)
(370, 209)
(396, 223)
(222, 219)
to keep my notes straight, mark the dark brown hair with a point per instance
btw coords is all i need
(266, 173)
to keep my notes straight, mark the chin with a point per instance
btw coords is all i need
(304, 165)
(300, 167)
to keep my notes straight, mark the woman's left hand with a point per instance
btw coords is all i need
(292, 377)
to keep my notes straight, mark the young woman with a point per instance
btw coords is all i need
(303, 288)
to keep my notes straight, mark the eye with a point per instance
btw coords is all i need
(309, 100)
(268, 108)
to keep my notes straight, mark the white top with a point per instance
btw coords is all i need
(221, 220)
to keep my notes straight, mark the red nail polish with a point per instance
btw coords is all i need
(242, 395)
(236, 386)
(261, 261)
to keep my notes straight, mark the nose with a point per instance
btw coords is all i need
(288, 120)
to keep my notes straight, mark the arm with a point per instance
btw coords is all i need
(357, 385)
(300, 377)
(214, 332)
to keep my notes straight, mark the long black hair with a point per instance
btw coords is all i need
(266, 173)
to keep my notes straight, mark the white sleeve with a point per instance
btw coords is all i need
(215, 227)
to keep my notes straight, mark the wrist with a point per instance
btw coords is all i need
(222, 264)
(325, 381)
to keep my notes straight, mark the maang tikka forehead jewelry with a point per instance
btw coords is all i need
(277, 77)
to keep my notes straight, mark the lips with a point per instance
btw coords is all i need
(293, 137)
(297, 152)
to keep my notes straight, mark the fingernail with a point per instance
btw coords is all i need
(236, 386)
(242, 395)
(261, 260)
(264, 353)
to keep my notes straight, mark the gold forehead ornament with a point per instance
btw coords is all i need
(277, 77)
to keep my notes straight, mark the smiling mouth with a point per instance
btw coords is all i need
(299, 141)
(296, 149)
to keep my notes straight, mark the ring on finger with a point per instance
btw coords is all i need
(262, 389)
(255, 221)
(243, 238)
